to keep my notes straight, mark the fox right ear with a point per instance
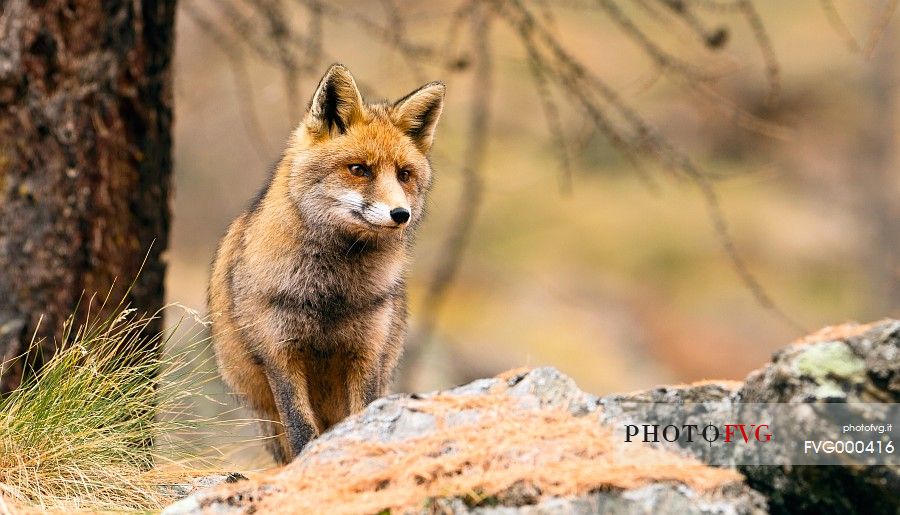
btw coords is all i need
(336, 103)
(417, 114)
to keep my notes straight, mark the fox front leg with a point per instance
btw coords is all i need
(362, 382)
(289, 387)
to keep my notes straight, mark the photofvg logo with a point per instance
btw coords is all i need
(857, 439)
(733, 433)
(691, 433)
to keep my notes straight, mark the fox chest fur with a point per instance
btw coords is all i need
(338, 295)
(307, 293)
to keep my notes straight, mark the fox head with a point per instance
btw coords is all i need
(362, 169)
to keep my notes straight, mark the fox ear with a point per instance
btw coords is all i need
(336, 103)
(417, 114)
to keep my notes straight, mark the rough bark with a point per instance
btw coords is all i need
(85, 162)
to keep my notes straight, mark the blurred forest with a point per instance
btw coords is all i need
(597, 249)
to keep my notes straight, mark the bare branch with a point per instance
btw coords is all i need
(837, 23)
(315, 27)
(470, 197)
(281, 34)
(396, 30)
(880, 25)
(243, 86)
(462, 12)
(713, 39)
(662, 58)
(398, 41)
(773, 69)
(554, 125)
(640, 138)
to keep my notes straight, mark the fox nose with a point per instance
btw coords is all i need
(400, 215)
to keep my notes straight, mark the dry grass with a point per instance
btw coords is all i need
(75, 436)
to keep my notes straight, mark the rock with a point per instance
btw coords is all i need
(666, 404)
(651, 499)
(531, 442)
(847, 364)
(528, 442)
(844, 364)
(184, 489)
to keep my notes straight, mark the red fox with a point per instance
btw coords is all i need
(308, 291)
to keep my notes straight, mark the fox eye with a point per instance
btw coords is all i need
(359, 170)
(403, 175)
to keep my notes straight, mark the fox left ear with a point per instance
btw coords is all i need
(417, 114)
(336, 104)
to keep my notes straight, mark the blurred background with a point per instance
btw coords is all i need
(602, 260)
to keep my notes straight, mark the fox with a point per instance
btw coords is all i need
(308, 286)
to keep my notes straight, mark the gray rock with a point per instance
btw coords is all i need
(647, 500)
(858, 366)
(548, 388)
(708, 402)
(398, 419)
(844, 365)
(848, 364)
(182, 490)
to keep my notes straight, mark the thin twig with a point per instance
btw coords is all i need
(879, 27)
(662, 58)
(838, 25)
(469, 203)
(397, 29)
(281, 34)
(554, 125)
(773, 69)
(237, 65)
(643, 139)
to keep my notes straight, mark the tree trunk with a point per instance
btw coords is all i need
(85, 163)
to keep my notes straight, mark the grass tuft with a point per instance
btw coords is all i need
(76, 435)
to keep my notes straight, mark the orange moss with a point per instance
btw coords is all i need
(509, 374)
(727, 384)
(838, 332)
(506, 450)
